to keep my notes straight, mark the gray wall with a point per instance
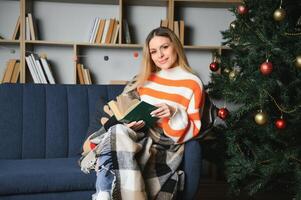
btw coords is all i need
(72, 22)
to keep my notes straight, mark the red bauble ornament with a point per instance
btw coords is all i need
(266, 68)
(214, 66)
(242, 9)
(280, 123)
(223, 113)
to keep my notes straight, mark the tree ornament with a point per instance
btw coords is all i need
(280, 123)
(214, 66)
(298, 61)
(233, 25)
(232, 75)
(223, 113)
(279, 14)
(227, 70)
(261, 118)
(266, 68)
(242, 9)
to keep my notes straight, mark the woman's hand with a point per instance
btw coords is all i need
(136, 125)
(163, 111)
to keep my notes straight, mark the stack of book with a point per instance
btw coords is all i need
(83, 74)
(30, 28)
(104, 31)
(12, 71)
(176, 26)
(39, 69)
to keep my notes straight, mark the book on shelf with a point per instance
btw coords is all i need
(39, 68)
(80, 76)
(110, 31)
(83, 75)
(176, 29)
(27, 29)
(31, 66)
(87, 77)
(16, 73)
(100, 30)
(105, 31)
(182, 28)
(11, 72)
(115, 33)
(177, 26)
(164, 23)
(47, 69)
(32, 27)
(127, 110)
(16, 33)
(127, 35)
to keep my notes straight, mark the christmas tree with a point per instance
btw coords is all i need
(261, 76)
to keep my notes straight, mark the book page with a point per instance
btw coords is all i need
(125, 103)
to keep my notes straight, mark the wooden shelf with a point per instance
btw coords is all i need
(123, 46)
(200, 47)
(110, 2)
(207, 3)
(9, 41)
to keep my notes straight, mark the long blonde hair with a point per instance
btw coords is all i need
(148, 66)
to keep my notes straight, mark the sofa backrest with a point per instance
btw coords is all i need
(47, 121)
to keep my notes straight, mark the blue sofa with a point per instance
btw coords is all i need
(42, 128)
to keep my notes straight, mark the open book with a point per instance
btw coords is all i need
(128, 110)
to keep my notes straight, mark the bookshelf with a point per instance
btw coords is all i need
(64, 27)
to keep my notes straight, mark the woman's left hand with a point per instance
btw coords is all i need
(163, 111)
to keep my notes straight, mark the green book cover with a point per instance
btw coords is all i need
(128, 111)
(141, 112)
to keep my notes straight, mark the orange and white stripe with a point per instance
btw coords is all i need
(182, 90)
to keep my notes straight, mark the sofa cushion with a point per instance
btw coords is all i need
(47, 121)
(43, 175)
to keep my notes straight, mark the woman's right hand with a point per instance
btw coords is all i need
(136, 125)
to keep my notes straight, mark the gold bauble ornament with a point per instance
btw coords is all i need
(261, 118)
(227, 70)
(279, 14)
(298, 61)
(232, 75)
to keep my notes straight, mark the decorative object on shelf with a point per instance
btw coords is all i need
(266, 68)
(136, 54)
(280, 123)
(242, 9)
(223, 113)
(106, 58)
(279, 14)
(298, 61)
(261, 118)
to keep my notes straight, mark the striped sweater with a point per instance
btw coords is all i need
(182, 90)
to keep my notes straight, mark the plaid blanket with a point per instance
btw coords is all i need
(145, 164)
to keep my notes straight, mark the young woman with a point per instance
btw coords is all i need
(139, 163)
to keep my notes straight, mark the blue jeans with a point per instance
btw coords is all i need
(105, 176)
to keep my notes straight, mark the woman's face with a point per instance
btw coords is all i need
(162, 52)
